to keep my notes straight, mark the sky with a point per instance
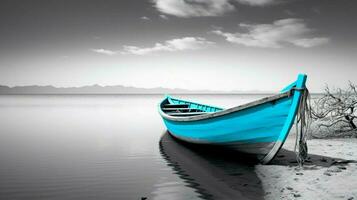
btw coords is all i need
(191, 44)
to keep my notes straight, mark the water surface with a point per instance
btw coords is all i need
(109, 147)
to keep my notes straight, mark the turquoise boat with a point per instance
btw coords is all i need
(259, 127)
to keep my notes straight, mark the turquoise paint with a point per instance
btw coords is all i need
(269, 122)
(262, 123)
(300, 83)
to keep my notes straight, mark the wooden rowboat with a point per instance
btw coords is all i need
(259, 127)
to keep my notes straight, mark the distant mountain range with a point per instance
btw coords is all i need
(97, 89)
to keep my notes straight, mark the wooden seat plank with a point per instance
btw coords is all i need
(176, 106)
(187, 114)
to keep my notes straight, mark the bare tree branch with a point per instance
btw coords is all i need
(337, 106)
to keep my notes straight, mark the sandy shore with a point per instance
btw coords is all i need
(330, 173)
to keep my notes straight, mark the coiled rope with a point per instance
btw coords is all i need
(302, 124)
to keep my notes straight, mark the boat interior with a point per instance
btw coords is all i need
(181, 108)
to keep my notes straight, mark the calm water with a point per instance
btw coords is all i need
(109, 147)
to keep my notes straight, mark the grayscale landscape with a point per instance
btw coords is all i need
(81, 84)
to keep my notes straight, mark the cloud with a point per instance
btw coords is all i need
(104, 51)
(145, 18)
(274, 35)
(258, 2)
(181, 44)
(311, 42)
(194, 8)
(203, 8)
(163, 17)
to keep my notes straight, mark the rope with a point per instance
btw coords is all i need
(302, 124)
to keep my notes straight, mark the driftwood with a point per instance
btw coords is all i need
(337, 109)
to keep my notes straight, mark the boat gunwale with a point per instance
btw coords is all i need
(225, 111)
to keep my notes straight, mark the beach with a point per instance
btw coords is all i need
(329, 173)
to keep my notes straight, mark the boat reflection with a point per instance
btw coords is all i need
(213, 173)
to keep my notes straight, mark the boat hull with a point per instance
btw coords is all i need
(259, 128)
(258, 149)
(253, 130)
